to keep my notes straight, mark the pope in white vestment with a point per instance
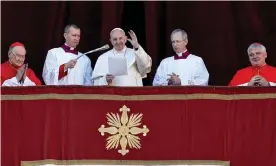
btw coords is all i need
(65, 65)
(137, 60)
(183, 68)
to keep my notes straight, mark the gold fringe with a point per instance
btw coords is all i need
(125, 162)
(139, 97)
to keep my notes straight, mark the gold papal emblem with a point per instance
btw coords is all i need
(123, 130)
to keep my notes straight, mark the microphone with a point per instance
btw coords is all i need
(105, 47)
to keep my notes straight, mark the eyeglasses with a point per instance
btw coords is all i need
(176, 41)
(18, 56)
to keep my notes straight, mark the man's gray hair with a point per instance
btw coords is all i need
(256, 45)
(184, 33)
(67, 27)
(11, 51)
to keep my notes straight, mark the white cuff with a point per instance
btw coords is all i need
(11, 82)
(245, 84)
(28, 82)
(272, 83)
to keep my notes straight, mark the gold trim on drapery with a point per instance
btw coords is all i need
(139, 97)
(125, 162)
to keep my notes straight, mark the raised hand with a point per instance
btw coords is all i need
(133, 40)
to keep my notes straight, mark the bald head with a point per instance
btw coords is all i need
(118, 38)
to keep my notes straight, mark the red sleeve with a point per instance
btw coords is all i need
(242, 76)
(270, 74)
(2, 80)
(236, 80)
(6, 72)
(61, 72)
(33, 77)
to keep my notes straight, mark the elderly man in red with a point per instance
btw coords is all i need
(14, 72)
(259, 73)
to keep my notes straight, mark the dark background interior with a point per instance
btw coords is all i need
(219, 32)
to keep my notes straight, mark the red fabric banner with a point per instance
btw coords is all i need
(185, 123)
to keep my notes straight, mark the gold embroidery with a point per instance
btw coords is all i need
(123, 130)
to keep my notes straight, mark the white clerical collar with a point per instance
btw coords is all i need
(71, 48)
(180, 54)
(120, 52)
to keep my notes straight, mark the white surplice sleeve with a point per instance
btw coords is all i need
(143, 61)
(88, 74)
(50, 69)
(100, 71)
(201, 76)
(13, 82)
(160, 78)
(272, 83)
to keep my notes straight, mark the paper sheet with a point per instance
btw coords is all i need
(117, 66)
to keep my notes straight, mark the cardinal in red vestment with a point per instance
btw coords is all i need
(259, 73)
(14, 72)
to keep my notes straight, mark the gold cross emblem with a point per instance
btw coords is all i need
(123, 130)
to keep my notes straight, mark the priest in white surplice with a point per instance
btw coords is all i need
(183, 68)
(62, 67)
(138, 61)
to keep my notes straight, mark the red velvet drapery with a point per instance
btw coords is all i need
(185, 123)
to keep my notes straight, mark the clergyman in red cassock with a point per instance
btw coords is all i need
(14, 72)
(259, 73)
